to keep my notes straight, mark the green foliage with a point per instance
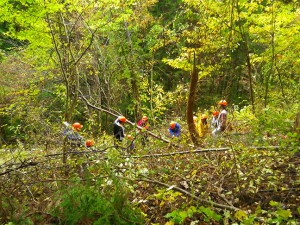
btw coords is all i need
(179, 216)
(95, 205)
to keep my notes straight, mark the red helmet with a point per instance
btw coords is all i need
(89, 143)
(223, 102)
(122, 119)
(172, 125)
(77, 126)
(215, 113)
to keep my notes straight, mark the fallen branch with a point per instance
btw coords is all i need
(179, 153)
(199, 151)
(217, 205)
(20, 167)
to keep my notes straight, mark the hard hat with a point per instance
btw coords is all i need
(144, 118)
(204, 116)
(223, 102)
(195, 118)
(129, 137)
(172, 124)
(77, 126)
(89, 143)
(215, 113)
(122, 119)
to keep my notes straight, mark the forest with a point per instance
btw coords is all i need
(92, 62)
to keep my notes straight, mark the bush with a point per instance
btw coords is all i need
(86, 204)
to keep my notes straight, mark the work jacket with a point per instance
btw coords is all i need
(119, 130)
(175, 131)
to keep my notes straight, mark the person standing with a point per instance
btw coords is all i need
(119, 130)
(214, 121)
(174, 129)
(203, 125)
(222, 118)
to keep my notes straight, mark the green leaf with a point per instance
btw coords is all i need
(284, 214)
(240, 215)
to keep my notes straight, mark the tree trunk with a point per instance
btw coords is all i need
(190, 104)
(247, 54)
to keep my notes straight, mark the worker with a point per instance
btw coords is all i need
(174, 129)
(196, 123)
(131, 145)
(203, 125)
(144, 124)
(222, 118)
(214, 120)
(119, 130)
(72, 136)
(73, 142)
(89, 143)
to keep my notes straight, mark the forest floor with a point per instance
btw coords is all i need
(169, 183)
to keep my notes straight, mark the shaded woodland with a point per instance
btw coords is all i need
(92, 61)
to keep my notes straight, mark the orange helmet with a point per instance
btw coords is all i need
(77, 126)
(172, 125)
(144, 118)
(223, 102)
(204, 116)
(215, 113)
(89, 143)
(122, 119)
(129, 137)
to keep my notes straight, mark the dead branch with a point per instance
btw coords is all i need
(200, 151)
(217, 205)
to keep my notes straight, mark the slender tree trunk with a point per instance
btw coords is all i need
(190, 105)
(271, 71)
(248, 62)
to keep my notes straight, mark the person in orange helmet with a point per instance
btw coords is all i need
(222, 118)
(119, 130)
(174, 129)
(72, 136)
(214, 121)
(144, 123)
(72, 140)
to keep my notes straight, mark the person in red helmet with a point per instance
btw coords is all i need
(222, 118)
(119, 130)
(144, 123)
(174, 129)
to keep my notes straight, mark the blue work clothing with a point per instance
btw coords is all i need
(175, 131)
